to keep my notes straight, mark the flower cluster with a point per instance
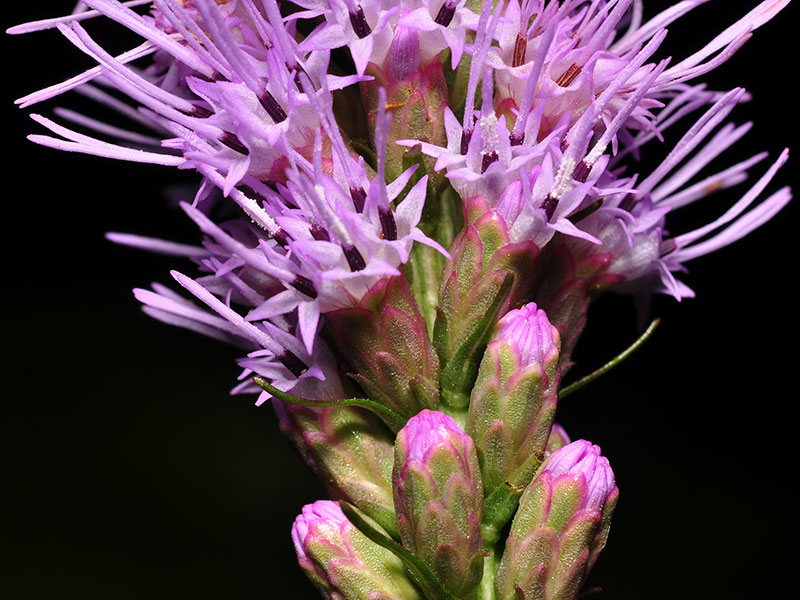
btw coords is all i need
(406, 210)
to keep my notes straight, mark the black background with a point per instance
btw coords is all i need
(131, 472)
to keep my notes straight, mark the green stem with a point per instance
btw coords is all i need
(486, 589)
(423, 272)
(575, 386)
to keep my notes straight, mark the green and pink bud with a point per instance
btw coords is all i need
(438, 498)
(560, 528)
(416, 96)
(514, 400)
(385, 339)
(342, 562)
(487, 274)
(350, 450)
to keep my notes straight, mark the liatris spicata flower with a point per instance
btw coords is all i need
(514, 399)
(239, 94)
(342, 562)
(438, 497)
(411, 206)
(561, 526)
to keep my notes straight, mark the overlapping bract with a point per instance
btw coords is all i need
(411, 206)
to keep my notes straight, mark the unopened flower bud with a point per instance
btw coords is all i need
(561, 526)
(514, 399)
(350, 450)
(438, 498)
(342, 562)
(484, 257)
(386, 340)
(403, 57)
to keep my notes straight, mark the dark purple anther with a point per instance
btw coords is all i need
(568, 76)
(291, 362)
(445, 14)
(388, 224)
(354, 258)
(581, 172)
(274, 110)
(281, 237)
(201, 112)
(298, 71)
(549, 206)
(304, 285)
(466, 135)
(359, 23)
(520, 48)
(488, 159)
(359, 197)
(628, 202)
(319, 233)
(516, 139)
(234, 143)
(216, 76)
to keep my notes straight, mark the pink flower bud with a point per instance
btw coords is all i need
(514, 399)
(342, 562)
(533, 338)
(403, 57)
(582, 459)
(438, 499)
(561, 526)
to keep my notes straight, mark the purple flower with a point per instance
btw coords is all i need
(441, 25)
(363, 26)
(566, 93)
(249, 109)
(552, 106)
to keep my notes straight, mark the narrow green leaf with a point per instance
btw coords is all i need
(395, 421)
(459, 374)
(422, 573)
(575, 386)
